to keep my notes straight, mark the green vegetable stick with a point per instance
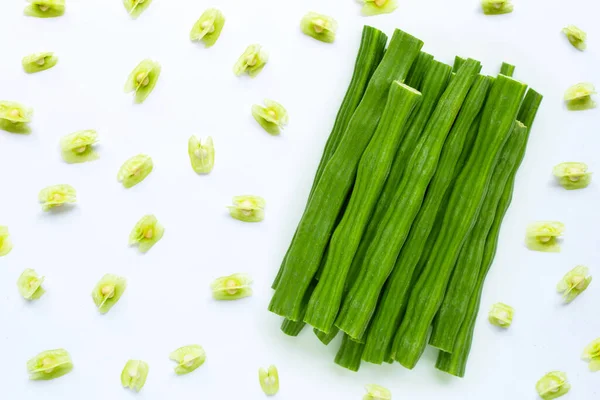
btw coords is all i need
(507, 69)
(498, 118)
(434, 84)
(336, 181)
(456, 362)
(372, 47)
(414, 79)
(453, 310)
(359, 305)
(45, 8)
(38, 62)
(49, 364)
(373, 169)
(349, 354)
(395, 295)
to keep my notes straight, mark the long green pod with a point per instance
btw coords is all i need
(393, 301)
(349, 354)
(370, 53)
(314, 230)
(464, 278)
(439, 219)
(359, 305)
(373, 169)
(499, 115)
(434, 84)
(455, 363)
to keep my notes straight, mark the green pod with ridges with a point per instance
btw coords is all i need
(370, 53)
(373, 169)
(453, 310)
(455, 363)
(499, 116)
(322, 211)
(434, 84)
(360, 303)
(394, 298)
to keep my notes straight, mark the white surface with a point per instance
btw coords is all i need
(168, 302)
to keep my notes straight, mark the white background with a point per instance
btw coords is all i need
(168, 303)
